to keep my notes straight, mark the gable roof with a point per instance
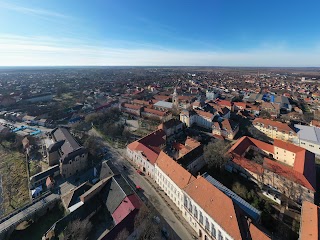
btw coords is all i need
(244, 142)
(279, 125)
(150, 145)
(220, 207)
(289, 173)
(204, 114)
(180, 176)
(303, 170)
(309, 226)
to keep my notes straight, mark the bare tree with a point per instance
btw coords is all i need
(215, 154)
(78, 229)
(144, 222)
(124, 234)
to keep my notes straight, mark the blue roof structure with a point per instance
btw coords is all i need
(245, 206)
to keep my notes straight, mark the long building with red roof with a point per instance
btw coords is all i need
(275, 129)
(286, 167)
(215, 215)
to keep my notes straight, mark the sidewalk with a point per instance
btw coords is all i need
(176, 211)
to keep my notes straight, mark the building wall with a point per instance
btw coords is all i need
(188, 120)
(53, 158)
(284, 156)
(173, 130)
(289, 188)
(227, 134)
(310, 146)
(74, 166)
(276, 134)
(201, 222)
(141, 161)
(197, 164)
(203, 121)
(169, 187)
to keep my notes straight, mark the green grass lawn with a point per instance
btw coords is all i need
(13, 170)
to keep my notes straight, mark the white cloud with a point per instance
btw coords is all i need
(46, 51)
(33, 11)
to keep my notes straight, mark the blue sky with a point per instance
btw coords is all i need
(147, 32)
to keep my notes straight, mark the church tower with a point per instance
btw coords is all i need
(175, 98)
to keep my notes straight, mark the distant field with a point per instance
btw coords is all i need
(13, 171)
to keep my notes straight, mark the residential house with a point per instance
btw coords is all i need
(211, 95)
(189, 155)
(239, 106)
(198, 117)
(272, 108)
(275, 129)
(144, 152)
(171, 127)
(227, 128)
(67, 152)
(40, 178)
(218, 110)
(225, 103)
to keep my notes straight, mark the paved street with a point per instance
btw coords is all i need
(183, 231)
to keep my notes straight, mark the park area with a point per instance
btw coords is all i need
(14, 180)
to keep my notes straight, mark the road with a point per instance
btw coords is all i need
(148, 190)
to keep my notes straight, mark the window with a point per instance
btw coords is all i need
(213, 230)
(201, 218)
(190, 207)
(195, 212)
(220, 236)
(207, 224)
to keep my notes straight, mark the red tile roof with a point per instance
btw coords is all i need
(243, 143)
(222, 209)
(149, 145)
(204, 114)
(248, 164)
(155, 112)
(309, 221)
(180, 176)
(288, 172)
(224, 103)
(287, 146)
(303, 170)
(128, 204)
(131, 106)
(279, 125)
